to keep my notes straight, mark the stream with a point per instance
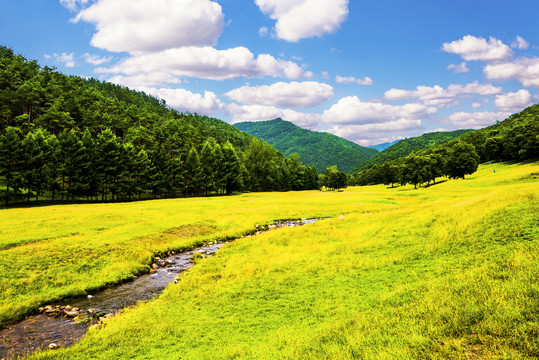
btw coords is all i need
(64, 324)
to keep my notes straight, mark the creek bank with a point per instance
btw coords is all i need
(63, 324)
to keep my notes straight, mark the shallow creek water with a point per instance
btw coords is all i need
(42, 331)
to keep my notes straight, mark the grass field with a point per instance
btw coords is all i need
(449, 271)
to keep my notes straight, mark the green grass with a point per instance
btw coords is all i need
(449, 271)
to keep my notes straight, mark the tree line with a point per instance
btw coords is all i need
(103, 167)
(454, 161)
(514, 139)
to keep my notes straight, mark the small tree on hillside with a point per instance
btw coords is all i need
(461, 160)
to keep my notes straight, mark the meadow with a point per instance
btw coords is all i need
(447, 271)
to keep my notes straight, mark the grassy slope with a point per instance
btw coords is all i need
(318, 149)
(449, 271)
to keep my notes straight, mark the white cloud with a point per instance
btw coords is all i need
(438, 96)
(525, 70)
(520, 43)
(476, 105)
(298, 19)
(371, 134)
(350, 79)
(514, 101)
(294, 94)
(478, 48)
(351, 110)
(459, 69)
(263, 31)
(476, 120)
(144, 80)
(260, 113)
(184, 100)
(138, 26)
(72, 4)
(95, 59)
(63, 58)
(207, 63)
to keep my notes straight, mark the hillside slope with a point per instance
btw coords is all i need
(317, 149)
(405, 147)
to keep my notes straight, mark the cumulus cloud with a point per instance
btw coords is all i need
(438, 96)
(299, 19)
(478, 48)
(514, 101)
(138, 26)
(184, 100)
(294, 94)
(476, 105)
(63, 58)
(476, 120)
(350, 79)
(260, 113)
(458, 68)
(73, 5)
(351, 110)
(525, 70)
(140, 81)
(370, 134)
(95, 59)
(520, 43)
(206, 63)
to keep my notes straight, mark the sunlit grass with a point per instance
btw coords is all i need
(448, 271)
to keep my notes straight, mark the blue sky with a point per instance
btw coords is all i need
(370, 71)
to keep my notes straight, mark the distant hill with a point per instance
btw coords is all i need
(317, 149)
(382, 147)
(405, 147)
(515, 138)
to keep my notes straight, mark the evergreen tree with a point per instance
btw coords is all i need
(88, 179)
(11, 161)
(193, 173)
(231, 169)
(108, 164)
(71, 162)
(36, 152)
(54, 165)
(143, 172)
(297, 172)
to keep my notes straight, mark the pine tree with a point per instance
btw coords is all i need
(11, 161)
(193, 173)
(231, 169)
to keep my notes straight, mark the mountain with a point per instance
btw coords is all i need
(318, 149)
(405, 147)
(382, 147)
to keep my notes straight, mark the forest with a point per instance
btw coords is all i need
(516, 138)
(69, 138)
(406, 146)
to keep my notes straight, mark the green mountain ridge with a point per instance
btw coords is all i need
(318, 149)
(405, 147)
